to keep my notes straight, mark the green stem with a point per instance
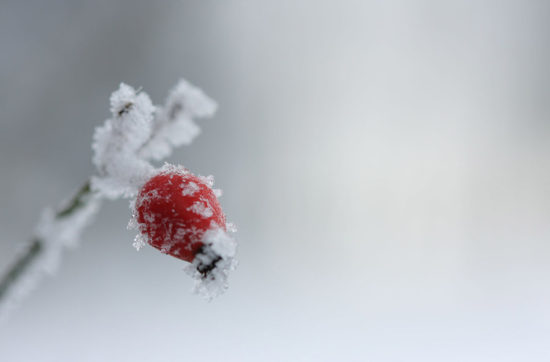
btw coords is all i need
(36, 246)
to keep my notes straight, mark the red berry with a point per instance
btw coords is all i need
(174, 209)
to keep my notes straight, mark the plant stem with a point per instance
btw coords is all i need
(19, 267)
(36, 246)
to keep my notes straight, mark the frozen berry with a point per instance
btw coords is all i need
(174, 209)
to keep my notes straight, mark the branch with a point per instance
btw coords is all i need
(37, 245)
(137, 133)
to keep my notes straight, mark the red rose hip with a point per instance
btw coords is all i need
(174, 209)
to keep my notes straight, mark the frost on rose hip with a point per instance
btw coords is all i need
(179, 214)
(175, 209)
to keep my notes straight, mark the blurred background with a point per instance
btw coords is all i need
(386, 163)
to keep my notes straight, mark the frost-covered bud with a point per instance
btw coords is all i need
(173, 124)
(132, 113)
(116, 144)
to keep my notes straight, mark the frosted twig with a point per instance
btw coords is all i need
(124, 146)
(36, 259)
(33, 250)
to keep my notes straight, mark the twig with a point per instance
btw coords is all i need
(36, 246)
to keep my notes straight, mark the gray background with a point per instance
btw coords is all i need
(386, 164)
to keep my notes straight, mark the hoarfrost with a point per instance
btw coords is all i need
(173, 124)
(208, 180)
(138, 132)
(123, 146)
(190, 189)
(220, 252)
(52, 235)
(117, 142)
(66, 230)
(201, 209)
(139, 242)
(232, 228)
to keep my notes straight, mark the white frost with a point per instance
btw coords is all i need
(232, 228)
(174, 124)
(201, 209)
(208, 180)
(139, 241)
(189, 189)
(54, 234)
(138, 132)
(218, 244)
(117, 142)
